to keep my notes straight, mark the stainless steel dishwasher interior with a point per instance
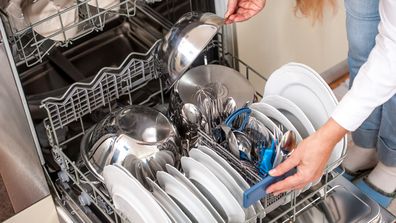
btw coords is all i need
(87, 56)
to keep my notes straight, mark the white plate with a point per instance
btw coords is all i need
(307, 89)
(224, 177)
(43, 9)
(120, 184)
(170, 207)
(186, 182)
(292, 112)
(235, 175)
(187, 201)
(273, 113)
(213, 189)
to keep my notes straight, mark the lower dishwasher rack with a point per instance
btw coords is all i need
(74, 186)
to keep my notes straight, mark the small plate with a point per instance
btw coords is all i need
(273, 113)
(292, 112)
(169, 206)
(213, 189)
(125, 188)
(183, 179)
(235, 175)
(224, 177)
(187, 201)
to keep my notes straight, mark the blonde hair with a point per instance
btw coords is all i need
(314, 8)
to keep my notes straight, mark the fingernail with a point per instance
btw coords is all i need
(276, 194)
(272, 172)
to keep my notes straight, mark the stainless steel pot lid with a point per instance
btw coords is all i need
(222, 81)
(186, 40)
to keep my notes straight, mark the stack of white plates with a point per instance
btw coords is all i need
(298, 98)
(207, 189)
(308, 91)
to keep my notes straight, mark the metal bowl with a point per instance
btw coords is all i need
(139, 138)
(186, 40)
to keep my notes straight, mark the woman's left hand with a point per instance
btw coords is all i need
(310, 157)
(242, 10)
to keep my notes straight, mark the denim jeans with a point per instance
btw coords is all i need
(379, 129)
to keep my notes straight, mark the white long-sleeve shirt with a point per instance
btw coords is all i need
(376, 81)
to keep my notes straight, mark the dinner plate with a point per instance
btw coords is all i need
(307, 89)
(169, 206)
(125, 189)
(235, 175)
(183, 179)
(224, 177)
(213, 189)
(292, 112)
(187, 201)
(42, 9)
(273, 113)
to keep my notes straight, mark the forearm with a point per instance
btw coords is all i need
(331, 133)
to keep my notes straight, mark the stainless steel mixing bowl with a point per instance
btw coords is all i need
(139, 138)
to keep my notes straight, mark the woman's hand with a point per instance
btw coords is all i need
(241, 10)
(310, 157)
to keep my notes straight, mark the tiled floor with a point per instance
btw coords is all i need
(6, 210)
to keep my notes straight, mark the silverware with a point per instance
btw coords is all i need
(288, 141)
(244, 145)
(229, 107)
(231, 140)
(192, 115)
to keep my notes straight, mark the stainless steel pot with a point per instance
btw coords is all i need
(139, 138)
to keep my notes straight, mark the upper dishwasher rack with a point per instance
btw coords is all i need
(30, 47)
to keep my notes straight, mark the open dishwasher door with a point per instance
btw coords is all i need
(344, 203)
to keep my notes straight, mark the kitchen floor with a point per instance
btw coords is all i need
(6, 209)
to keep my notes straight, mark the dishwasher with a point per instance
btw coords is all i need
(63, 84)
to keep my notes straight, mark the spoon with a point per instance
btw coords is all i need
(231, 139)
(192, 115)
(244, 145)
(229, 107)
(288, 141)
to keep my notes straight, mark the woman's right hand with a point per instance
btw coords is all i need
(241, 10)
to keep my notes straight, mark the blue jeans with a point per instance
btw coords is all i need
(379, 129)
